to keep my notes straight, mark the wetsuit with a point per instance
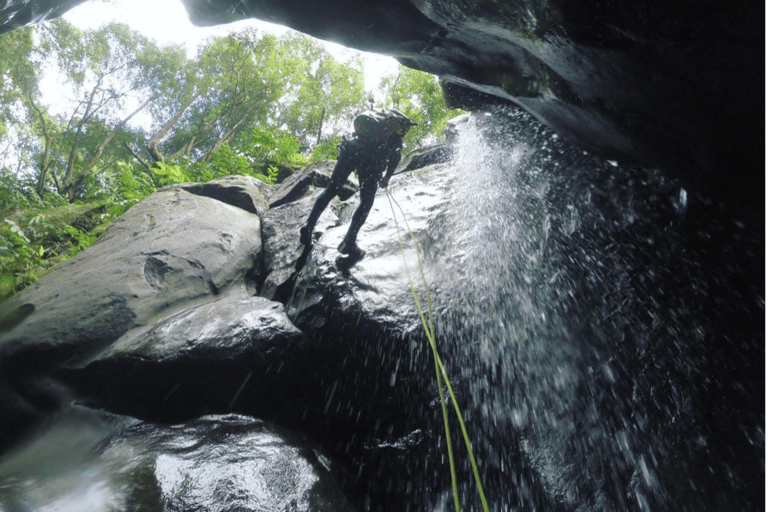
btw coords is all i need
(371, 158)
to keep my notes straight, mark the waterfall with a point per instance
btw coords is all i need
(571, 316)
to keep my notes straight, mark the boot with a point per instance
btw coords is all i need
(350, 247)
(305, 235)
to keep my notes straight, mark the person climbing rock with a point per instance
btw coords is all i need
(374, 148)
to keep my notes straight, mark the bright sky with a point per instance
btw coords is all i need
(166, 22)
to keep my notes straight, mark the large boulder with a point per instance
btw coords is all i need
(231, 353)
(91, 460)
(173, 251)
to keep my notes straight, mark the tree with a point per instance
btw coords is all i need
(419, 96)
(109, 83)
(324, 93)
(17, 75)
(249, 96)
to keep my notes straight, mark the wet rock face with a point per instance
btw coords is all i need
(227, 354)
(91, 460)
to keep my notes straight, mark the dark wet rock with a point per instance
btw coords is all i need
(283, 253)
(168, 253)
(376, 289)
(236, 353)
(90, 460)
(424, 156)
(242, 192)
(564, 312)
(19, 13)
(303, 183)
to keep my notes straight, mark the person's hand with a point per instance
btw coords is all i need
(384, 182)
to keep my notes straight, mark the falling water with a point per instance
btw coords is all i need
(573, 314)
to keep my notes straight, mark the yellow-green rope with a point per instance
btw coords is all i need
(441, 374)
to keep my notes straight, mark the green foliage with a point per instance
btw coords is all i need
(248, 104)
(84, 240)
(168, 174)
(19, 259)
(327, 149)
(35, 240)
(272, 144)
(271, 177)
(419, 96)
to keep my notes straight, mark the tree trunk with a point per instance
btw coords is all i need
(137, 156)
(71, 162)
(155, 140)
(72, 186)
(320, 126)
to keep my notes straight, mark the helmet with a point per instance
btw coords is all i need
(401, 123)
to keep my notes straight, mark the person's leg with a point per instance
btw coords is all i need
(367, 195)
(341, 172)
(321, 203)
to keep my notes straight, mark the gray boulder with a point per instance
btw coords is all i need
(227, 354)
(173, 251)
(244, 192)
(90, 460)
(283, 254)
(424, 156)
(169, 251)
(304, 183)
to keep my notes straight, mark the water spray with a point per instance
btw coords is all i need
(441, 375)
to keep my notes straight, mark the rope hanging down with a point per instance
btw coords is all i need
(441, 375)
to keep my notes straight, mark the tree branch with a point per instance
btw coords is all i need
(156, 138)
(100, 149)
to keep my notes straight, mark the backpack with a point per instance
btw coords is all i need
(381, 124)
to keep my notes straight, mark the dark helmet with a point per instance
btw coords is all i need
(400, 122)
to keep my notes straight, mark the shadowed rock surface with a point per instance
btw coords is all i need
(242, 192)
(91, 460)
(305, 182)
(232, 353)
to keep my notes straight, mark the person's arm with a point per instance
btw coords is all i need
(393, 159)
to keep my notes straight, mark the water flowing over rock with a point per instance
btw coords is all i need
(602, 328)
(87, 460)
